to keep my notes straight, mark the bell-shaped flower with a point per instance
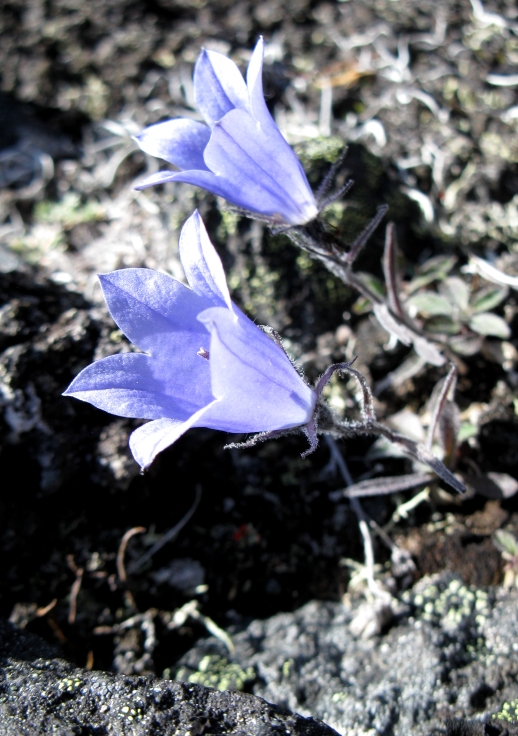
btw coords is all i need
(205, 364)
(240, 154)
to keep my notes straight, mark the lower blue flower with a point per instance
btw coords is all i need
(205, 364)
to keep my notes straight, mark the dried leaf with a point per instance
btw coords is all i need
(493, 485)
(489, 272)
(449, 425)
(390, 270)
(390, 484)
(442, 395)
(391, 325)
(428, 351)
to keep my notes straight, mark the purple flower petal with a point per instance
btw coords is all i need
(208, 365)
(254, 80)
(161, 177)
(135, 385)
(153, 309)
(259, 108)
(201, 263)
(240, 191)
(258, 387)
(218, 86)
(180, 141)
(264, 170)
(246, 160)
(150, 439)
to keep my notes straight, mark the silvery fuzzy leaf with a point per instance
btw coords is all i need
(489, 324)
(457, 291)
(465, 344)
(391, 325)
(429, 303)
(427, 350)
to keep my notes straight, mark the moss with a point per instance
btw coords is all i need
(228, 224)
(261, 293)
(130, 712)
(494, 146)
(287, 667)
(69, 211)
(70, 684)
(453, 605)
(91, 98)
(320, 149)
(217, 672)
(508, 713)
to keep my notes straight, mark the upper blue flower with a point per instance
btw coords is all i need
(240, 154)
(205, 363)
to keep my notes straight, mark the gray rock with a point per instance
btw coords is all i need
(452, 655)
(39, 695)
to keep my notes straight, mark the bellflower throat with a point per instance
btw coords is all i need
(240, 154)
(205, 364)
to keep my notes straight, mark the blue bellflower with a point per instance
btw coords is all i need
(205, 363)
(240, 154)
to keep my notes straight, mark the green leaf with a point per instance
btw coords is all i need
(506, 541)
(489, 324)
(428, 303)
(466, 431)
(465, 344)
(362, 306)
(373, 283)
(442, 325)
(457, 291)
(434, 269)
(438, 266)
(487, 299)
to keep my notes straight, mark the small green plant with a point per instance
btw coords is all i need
(217, 672)
(442, 436)
(507, 544)
(437, 311)
(69, 211)
(457, 309)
